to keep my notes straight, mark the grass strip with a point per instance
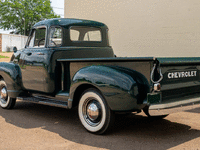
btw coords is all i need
(3, 56)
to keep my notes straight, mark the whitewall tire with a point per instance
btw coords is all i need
(94, 113)
(5, 101)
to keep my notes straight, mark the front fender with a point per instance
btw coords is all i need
(11, 74)
(124, 89)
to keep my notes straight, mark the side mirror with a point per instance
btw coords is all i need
(14, 49)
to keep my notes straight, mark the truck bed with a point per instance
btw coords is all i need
(180, 75)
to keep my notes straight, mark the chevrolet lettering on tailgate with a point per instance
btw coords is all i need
(183, 74)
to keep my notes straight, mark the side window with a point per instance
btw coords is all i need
(55, 36)
(78, 33)
(37, 38)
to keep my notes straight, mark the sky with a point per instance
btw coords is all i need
(58, 7)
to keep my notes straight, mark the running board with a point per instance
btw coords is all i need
(45, 101)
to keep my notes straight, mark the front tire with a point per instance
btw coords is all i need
(94, 113)
(5, 101)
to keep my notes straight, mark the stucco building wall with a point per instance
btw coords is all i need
(145, 28)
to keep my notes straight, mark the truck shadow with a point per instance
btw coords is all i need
(131, 132)
(195, 110)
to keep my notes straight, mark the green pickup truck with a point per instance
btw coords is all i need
(69, 63)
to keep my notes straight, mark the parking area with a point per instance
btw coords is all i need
(34, 126)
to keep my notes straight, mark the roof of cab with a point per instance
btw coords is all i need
(68, 22)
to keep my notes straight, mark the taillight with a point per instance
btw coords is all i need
(157, 87)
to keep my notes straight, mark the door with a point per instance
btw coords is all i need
(34, 61)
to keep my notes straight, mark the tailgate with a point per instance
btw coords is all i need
(181, 77)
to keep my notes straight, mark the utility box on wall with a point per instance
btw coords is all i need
(145, 28)
(8, 41)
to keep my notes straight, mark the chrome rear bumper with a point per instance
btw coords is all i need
(174, 105)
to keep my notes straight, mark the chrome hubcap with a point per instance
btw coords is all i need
(92, 111)
(4, 94)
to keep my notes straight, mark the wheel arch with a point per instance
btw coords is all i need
(11, 74)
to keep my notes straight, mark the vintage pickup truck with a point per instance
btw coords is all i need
(69, 63)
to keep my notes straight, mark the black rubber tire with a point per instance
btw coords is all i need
(105, 118)
(146, 111)
(6, 102)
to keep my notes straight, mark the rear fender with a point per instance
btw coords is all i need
(11, 74)
(124, 89)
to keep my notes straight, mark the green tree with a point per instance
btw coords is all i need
(21, 15)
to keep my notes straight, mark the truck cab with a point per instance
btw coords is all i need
(54, 39)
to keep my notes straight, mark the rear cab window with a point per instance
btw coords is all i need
(85, 34)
